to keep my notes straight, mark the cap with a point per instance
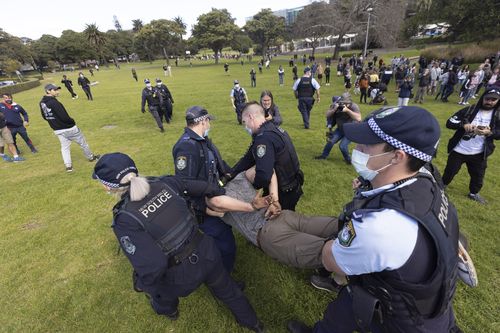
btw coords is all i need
(335, 99)
(197, 113)
(345, 98)
(51, 86)
(236, 82)
(146, 81)
(409, 128)
(111, 168)
(307, 69)
(158, 80)
(492, 93)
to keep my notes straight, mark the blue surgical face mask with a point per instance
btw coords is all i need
(205, 134)
(359, 161)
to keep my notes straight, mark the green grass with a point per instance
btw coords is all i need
(59, 269)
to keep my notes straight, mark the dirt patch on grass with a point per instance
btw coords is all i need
(108, 127)
(32, 226)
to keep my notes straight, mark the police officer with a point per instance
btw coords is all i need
(165, 110)
(238, 99)
(398, 238)
(160, 238)
(271, 151)
(153, 96)
(304, 89)
(196, 157)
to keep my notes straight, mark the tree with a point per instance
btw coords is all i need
(241, 42)
(72, 47)
(12, 48)
(96, 39)
(314, 23)
(215, 30)
(159, 36)
(119, 43)
(44, 49)
(137, 25)
(181, 25)
(265, 29)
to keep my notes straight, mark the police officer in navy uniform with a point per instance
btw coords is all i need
(196, 157)
(160, 238)
(398, 239)
(271, 151)
(153, 96)
(304, 89)
(165, 110)
(238, 99)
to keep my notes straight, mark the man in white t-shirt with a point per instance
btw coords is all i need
(475, 129)
(398, 238)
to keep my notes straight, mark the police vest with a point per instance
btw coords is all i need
(162, 214)
(152, 96)
(408, 302)
(239, 96)
(286, 166)
(305, 87)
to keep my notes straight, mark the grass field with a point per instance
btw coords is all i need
(59, 268)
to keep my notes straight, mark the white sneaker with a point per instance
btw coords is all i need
(466, 270)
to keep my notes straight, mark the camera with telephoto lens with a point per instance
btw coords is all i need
(340, 108)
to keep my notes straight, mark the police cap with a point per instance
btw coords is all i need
(111, 168)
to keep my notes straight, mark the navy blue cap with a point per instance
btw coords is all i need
(197, 113)
(409, 128)
(492, 93)
(111, 168)
(147, 81)
(307, 69)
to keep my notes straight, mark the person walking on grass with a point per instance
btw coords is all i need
(17, 120)
(64, 126)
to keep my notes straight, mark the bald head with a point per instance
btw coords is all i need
(254, 109)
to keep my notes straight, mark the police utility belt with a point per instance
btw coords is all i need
(187, 250)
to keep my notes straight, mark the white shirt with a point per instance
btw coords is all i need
(476, 144)
(376, 241)
(314, 83)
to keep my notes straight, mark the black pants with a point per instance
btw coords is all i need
(70, 89)
(239, 109)
(165, 111)
(364, 92)
(21, 130)
(305, 106)
(88, 93)
(154, 110)
(183, 279)
(476, 166)
(288, 200)
(327, 78)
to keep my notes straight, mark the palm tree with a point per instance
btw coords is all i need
(182, 26)
(137, 25)
(95, 38)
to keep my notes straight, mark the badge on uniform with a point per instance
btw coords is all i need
(347, 235)
(127, 245)
(261, 151)
(181, 163)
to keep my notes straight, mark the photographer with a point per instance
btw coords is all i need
(342, 111)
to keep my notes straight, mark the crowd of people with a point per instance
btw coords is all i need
(392, 254)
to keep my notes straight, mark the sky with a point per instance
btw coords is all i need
(33, 18)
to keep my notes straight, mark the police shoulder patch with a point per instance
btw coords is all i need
(181, 162)
(261, 151)
(127, 245)
(347, 235)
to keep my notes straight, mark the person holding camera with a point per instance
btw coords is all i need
(342, 111)
(475, 129)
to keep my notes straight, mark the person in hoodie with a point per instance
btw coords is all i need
(85, 84)
(16, 124)
(475, 129)
(69, 85)
(64, 126)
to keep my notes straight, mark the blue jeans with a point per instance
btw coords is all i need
(337, 136)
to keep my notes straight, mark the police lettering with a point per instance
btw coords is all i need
(443, 210)
(152, 205)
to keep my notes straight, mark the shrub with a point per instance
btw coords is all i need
(472, 53)
(20, 87)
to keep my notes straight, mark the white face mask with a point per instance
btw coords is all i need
(249, 130)
(236, 86)
(148, 85)
(205, 134)
(359, 161)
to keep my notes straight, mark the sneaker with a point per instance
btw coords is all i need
(324, 283)
(6, 158)
(476, 197)
(466, 270)
(18, 159)
(76, 96)
(320, 157)
(162, 129)
(34, 151)
(94, 158)
(295, 326)
(69, 169)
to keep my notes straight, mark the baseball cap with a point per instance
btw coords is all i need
(51, 86)
(158, 80)
(345, 98)
(146, 81)
(236, 82)
(307, 69)
(492, 93)
(409, 128)
(197, 113)
(111, 168)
